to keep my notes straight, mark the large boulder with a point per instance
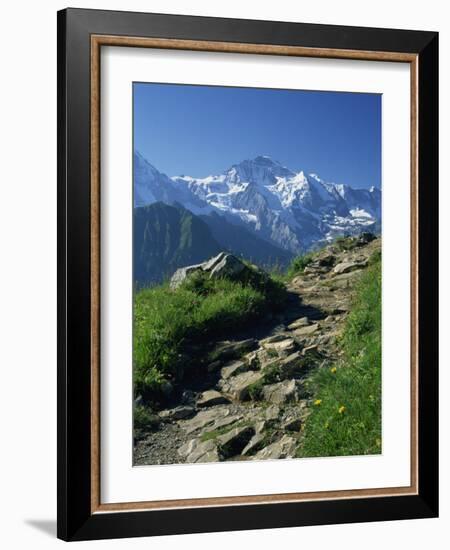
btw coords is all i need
(229, 267)
(223, 265)
(182, 274)
(210, 264)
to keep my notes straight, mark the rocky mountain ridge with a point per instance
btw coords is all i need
(292, 210)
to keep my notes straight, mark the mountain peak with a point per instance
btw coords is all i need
(265, 160)
(260, 170)
(294, 210)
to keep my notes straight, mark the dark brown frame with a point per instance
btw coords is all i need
(82, 33)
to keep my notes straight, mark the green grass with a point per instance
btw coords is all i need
(346, 416)
(168, 323)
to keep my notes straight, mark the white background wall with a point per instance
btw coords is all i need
(28, 271)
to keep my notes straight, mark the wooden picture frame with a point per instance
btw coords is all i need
(81, 35)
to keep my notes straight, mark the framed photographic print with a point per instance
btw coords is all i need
(247, 274)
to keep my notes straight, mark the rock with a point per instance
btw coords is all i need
(346, 267)
(328, 260)
(313, 269)
(234, 350)
(327, 338)
(279, 329)
(188, 447)
(211, 263)
(321, 264)
(182, 274)
(271, 414)
(204, 418)
(302, 322)
(177, 413)
(255, 443)
(260, 426)
(238, 386)
(291, 365)
(252, 360)
(298, 281)
(228, 267)
(283, 448)
(233, 442)
(223, 265)
(204, 452)
(210, 398)
(222, 422)
(274, 339)
(306, 331)
(310, 350)
(266, 358)
(292, 424)
(286, 345)
(233, 368)
(281, 392)
(344, 280)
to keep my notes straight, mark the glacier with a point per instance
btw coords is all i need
(293, 210)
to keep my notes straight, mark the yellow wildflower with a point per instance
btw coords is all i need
(333, 370)
(317, 402)
(341, 409)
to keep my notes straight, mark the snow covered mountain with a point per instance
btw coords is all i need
(294, 211)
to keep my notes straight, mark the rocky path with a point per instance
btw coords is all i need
(253, 402)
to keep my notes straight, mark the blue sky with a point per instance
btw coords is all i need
(203, 130)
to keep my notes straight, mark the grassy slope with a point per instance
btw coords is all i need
(346, 416)
(166, 322)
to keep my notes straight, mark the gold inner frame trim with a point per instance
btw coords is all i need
(97, 41)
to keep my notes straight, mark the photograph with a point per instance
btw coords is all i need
(221, 287)
(247, 273)
(257, 273)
